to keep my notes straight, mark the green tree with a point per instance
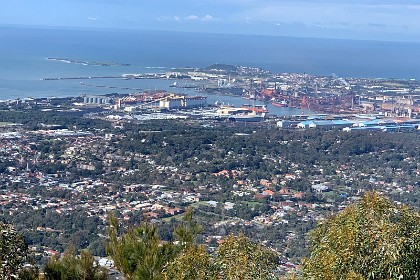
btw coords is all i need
(192, 260)
(371, 239)
(187, 231)
(72, 267)
(13, 251)
(192, 263)
(139, 253)
(29, 273)
(237, 258)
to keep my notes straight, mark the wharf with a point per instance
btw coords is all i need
(82, 78)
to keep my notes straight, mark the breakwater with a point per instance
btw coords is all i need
(81, 78)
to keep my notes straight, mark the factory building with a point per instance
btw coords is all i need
(287, 123)
(194, 101)
(324, 124)
(179, 102)
(358, 122)
(98, 100)
(171, 103)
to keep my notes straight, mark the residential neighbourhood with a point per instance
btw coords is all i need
(66, 164)
(59, 186)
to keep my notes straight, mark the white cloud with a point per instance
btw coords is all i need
(327, 13)
(92, 18)
(192, 17)
(205, 18)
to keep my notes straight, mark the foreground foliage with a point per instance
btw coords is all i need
(239, 258)
(13, 251)
(192, 263)
(371, 239)
(235, 258)
(70, 266)
(141, 254)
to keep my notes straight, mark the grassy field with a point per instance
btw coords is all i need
(389, 84)
(178, 217)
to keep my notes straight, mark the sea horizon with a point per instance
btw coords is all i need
(105, 29)
(24, 50)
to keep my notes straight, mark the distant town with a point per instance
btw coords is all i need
(348, 103)
(65, 163)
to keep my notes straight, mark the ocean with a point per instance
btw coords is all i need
(23, 53)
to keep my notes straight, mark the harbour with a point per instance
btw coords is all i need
(59, 87)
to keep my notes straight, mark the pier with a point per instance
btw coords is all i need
(82, 78)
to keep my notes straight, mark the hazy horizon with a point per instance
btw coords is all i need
(105, 29)
(388, 20)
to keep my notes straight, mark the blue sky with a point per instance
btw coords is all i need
(391, 20)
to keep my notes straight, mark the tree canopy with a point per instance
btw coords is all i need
(74, 267)
(141, 254)
(236, 258)
(371, 239)
(13, 251)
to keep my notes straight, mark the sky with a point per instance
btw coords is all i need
(389, 20)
